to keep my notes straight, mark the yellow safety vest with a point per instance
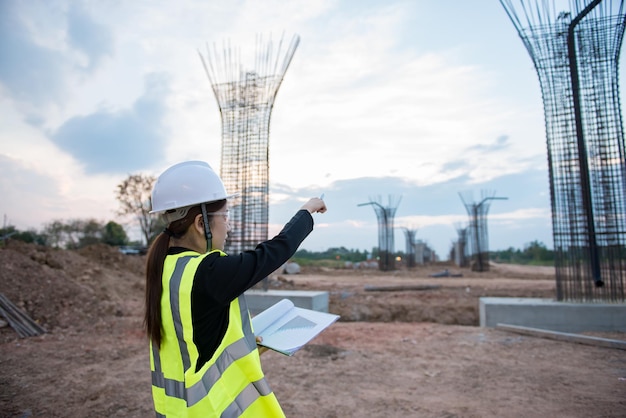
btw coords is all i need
(231, 383)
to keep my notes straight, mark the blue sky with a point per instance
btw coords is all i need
(421, 100)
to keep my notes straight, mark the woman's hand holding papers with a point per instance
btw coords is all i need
(261, 349)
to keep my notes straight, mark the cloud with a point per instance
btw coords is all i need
(372, 105)
(501, 143)
(420, 113)
(87, 36)
(32, 197)
(434, 210)
(39, 43)
(120, 141)
(26, 193)
(29, 71)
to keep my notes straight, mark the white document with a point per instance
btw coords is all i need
(286, 328)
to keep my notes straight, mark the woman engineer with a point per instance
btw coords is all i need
(203, 353)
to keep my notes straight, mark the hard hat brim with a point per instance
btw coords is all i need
(229, 197)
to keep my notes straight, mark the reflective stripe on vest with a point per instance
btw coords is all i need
(233, 352)
(247, 397)
(173, 387)
(175, 280)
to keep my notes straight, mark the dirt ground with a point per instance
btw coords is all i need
(402, 353)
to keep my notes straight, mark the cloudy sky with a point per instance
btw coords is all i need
(416, 103)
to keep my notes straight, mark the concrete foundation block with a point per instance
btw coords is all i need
(553, 315)
(259, 300)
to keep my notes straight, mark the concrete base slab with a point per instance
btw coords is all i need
(553, 315)
(259, 300)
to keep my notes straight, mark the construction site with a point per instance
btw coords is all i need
(393, 353)
(411, 339)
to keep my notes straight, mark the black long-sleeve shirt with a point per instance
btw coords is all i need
(220, 280)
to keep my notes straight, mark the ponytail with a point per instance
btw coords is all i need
(154, 286)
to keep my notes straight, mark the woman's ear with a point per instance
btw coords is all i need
(198, 223)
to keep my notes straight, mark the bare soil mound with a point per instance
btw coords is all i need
(68, 289)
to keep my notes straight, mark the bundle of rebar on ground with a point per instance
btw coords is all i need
(18, 320)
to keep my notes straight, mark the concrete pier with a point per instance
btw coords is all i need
(259, 300)
(553, 315)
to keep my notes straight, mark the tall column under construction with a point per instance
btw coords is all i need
(575, 47)
(245, 96)
(409, 235)
(478, 233)
(385, 215)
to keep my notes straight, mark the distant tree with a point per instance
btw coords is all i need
(534, 252)
(73, 231)
(134, 195)
(537, 252)
(114, 234)
(54, 233)
(91, 232)
(31, 236)
(506, 256)
(341, 254)
(8, 231)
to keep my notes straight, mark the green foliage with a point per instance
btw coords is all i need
(534, 253)
(340, 255)
(30, 236)
(91, 230)
(114, 234)
(74, 233)
(308, 262)
(78, 233)
(71, 234)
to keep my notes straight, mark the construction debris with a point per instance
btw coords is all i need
(401, 288)
(19, 321)
(446, 273)
(563, 336)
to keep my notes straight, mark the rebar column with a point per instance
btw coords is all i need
(575, 47)
(245, 97)
(409, 235)
(478, 233)
(460, 247)
(385, 215)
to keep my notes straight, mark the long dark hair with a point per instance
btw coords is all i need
(154, 268)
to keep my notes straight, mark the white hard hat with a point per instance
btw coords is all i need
(185, 185)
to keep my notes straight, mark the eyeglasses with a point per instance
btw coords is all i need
(223, 213)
